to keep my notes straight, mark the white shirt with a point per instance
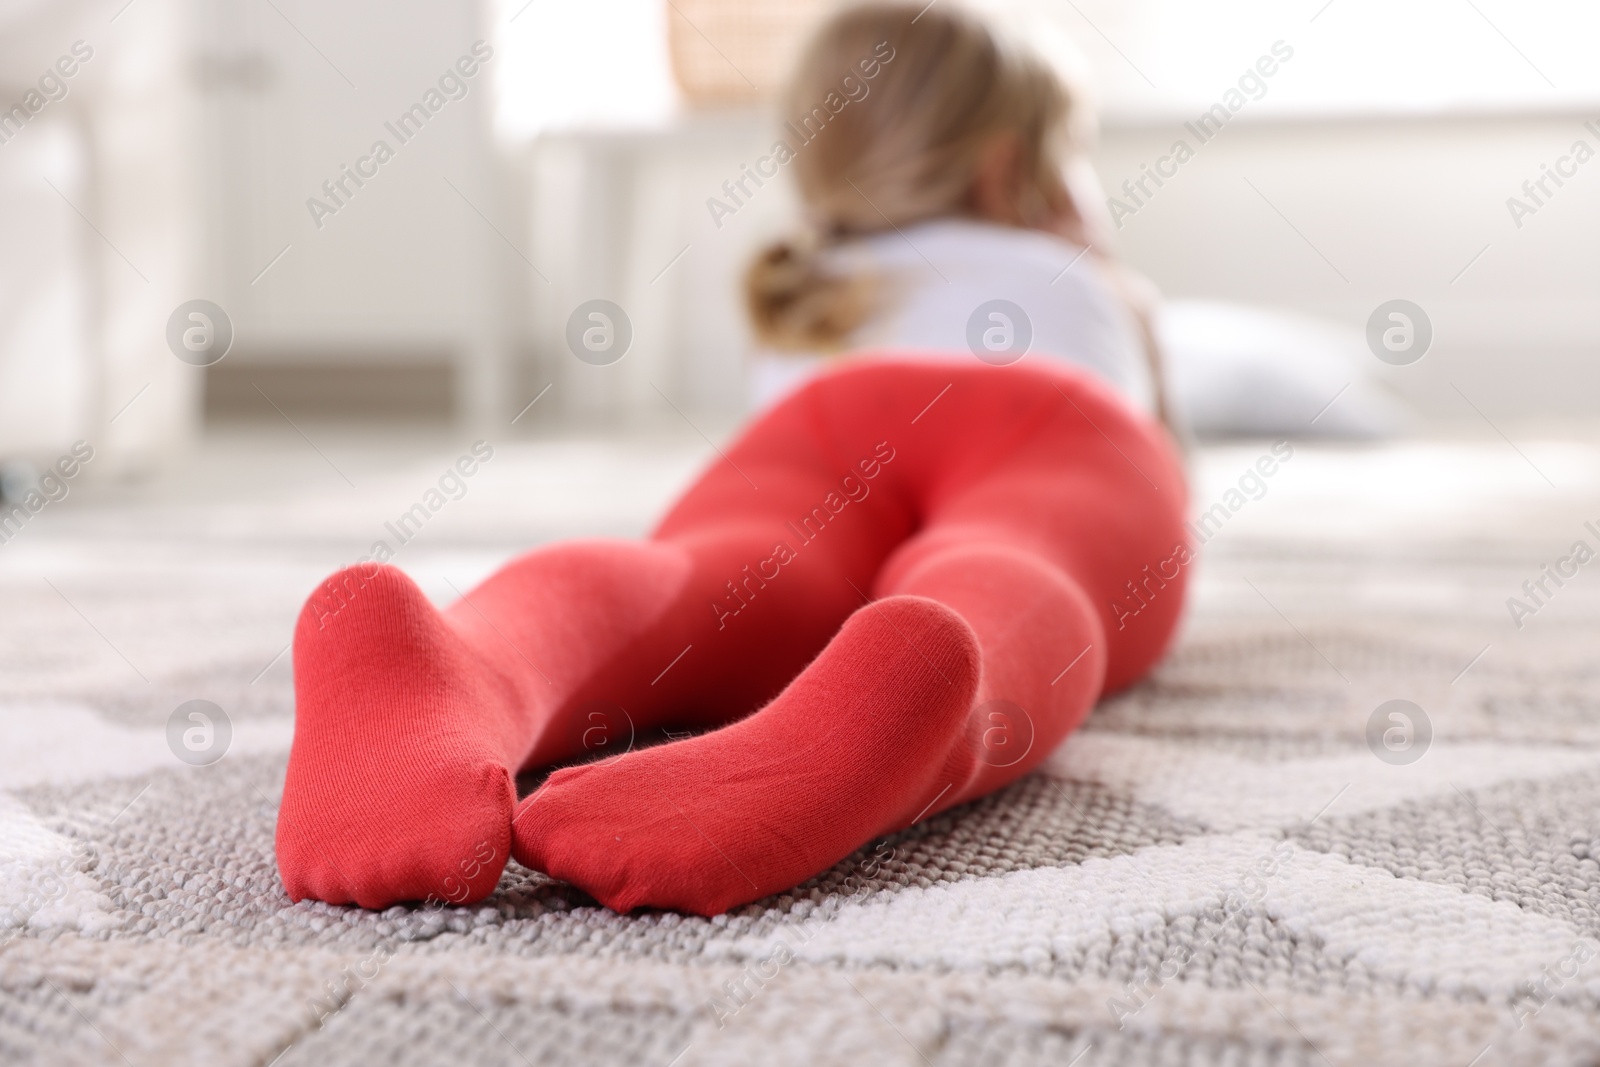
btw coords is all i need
(934, 279)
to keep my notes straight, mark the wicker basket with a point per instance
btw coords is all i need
(737, 51)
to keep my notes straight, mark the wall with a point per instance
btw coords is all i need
(1400, 207)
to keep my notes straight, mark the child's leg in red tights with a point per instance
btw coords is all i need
(892, 722)
(954, 682)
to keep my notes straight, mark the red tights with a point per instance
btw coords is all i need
(893, 593)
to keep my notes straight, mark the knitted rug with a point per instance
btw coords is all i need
(1252, 857)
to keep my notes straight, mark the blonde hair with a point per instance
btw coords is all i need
(905, 150)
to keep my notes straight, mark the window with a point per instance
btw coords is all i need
(604, 63)
(598, 64)
(1161, 59)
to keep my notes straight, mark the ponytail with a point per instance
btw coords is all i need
(795, 304)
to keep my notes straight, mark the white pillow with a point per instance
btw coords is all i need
(1234, 370)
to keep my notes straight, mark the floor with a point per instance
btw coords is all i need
(1228, 864)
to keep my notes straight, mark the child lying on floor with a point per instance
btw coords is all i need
(894, 592)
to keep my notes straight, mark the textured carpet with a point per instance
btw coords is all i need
(1219, 868)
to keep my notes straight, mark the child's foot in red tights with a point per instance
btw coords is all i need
(395, 789)
(853, 747)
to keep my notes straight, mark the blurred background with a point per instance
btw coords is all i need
(185, 158)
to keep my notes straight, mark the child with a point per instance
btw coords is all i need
(896, 591)
(947, 178)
